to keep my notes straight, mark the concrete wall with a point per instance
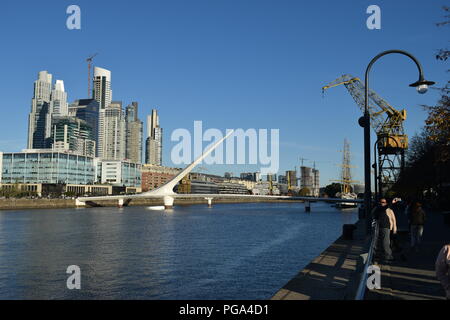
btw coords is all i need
(12, 204)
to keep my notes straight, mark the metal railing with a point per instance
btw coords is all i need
(362, 284)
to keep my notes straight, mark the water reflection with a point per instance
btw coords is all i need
(232, 251)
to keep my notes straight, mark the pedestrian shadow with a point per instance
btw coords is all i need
(334, 275)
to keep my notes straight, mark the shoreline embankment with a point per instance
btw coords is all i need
(20, 204)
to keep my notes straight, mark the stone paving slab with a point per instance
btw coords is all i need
(411, 276)
(333, 275)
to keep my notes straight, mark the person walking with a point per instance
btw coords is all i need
(386, 223)
(416, 217)
(443, 269)
(396, 208)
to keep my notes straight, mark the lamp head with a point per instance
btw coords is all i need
(422, 85)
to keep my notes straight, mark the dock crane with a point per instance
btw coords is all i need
(387, 122)
(89, 61)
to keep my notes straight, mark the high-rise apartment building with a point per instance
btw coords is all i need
(39, 119)
(59, 106)
(70, 134)
(102, 93)
(134, 132)
(113, 147)
(102, 87)
(153, 146)
(47, 102)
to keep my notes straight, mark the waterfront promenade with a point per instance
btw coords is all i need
(336, 272)
(411, 276)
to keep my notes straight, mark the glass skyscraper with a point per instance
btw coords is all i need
(153, 145)
(87, 110)
(133, 134)
(46, 103)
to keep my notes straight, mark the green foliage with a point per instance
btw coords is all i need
(70, 194)
(332, 189)
(427, 169)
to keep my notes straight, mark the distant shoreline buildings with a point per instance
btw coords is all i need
(93, 146)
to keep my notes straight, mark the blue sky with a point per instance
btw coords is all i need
(232, 64)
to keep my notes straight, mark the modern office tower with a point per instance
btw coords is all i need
(59, 106)
(73, 135)
(102, 93)
(134, 132)
(87, 110)
(39, 119)
(153, 146)
(113, 147)
(102, 87)
(43, 166)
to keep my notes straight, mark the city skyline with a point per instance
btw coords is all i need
(100, 122)
(270, 93)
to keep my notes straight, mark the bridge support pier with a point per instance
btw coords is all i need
(209, 202)
(168, 202)
(307, 206)
(79, 203)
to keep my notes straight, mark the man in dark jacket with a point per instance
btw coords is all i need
(416, 217)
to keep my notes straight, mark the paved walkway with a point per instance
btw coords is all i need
(411, 276)
(333, 275)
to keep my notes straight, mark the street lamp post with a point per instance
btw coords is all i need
(422, 87)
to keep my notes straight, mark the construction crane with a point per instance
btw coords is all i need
(387, 122)
(302, 159)
(89, 61)
(391, 126)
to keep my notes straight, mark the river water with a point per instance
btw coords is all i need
(230, 251)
